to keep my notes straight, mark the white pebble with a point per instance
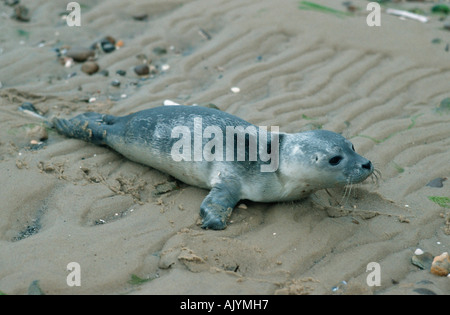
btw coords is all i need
(418, 252)
(165, 67)
(170, 103)
(235, 89)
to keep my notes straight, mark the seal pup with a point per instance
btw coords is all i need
(304, 162)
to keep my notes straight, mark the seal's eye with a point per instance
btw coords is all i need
(335, 160)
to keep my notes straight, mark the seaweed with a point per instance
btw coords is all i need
(306, 5)
(444, 202)
(135, 280)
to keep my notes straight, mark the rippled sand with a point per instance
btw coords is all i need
(75, 202)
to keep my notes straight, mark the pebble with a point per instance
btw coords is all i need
(437, 182)
(90, 67)
(140, 17)
(121, 72)
(115, 83)
(423, 261)
(235, 89)
(107, 47)
(142, 69)
(441, 265)
(80, 54)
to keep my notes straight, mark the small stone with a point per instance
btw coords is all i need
(140, 17)
(119, 44)
(159, 51)
(90, 67)
(80, 54)
(107, 47)
(142, 69)
(441, 265)
(423, 261)
(437, 182)
(165, 67)
(418, 252)
(115, 83)
(121, 72)
(235, 89)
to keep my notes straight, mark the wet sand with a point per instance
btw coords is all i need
(68, 201)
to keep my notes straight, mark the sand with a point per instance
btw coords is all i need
(68, 201)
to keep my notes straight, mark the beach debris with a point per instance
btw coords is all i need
(418, 252)
(21, 13)
(170, 103)
(142, 69)
(307, 5)
(29, 109)
(164, 188)
(204, 34)
(71, 75)
(440, 8)
(35, 289)
(340, 286)
(80, 54)
(107, 44)
(121, 72)
(140, 17)
(11, 3)
(424, 291)
(115, 83)
(436, 40)
(119, 44)
(159, 51)
(165, 67)
(407, 14)
(442, 201)
(90, 67)
(350, 6)
(67, 62)
(444, 106)
(441, 265)
(235, 89)
(437, 182)
(143, 58)
(423, 261)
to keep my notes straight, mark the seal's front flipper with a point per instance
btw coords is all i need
(218, 205)
(91, 127)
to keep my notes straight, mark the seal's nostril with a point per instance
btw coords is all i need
(367, 166)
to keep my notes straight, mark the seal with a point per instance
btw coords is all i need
(168, 138)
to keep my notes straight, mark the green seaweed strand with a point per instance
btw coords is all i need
(306, 5)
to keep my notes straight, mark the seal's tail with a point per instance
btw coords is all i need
(91, 127)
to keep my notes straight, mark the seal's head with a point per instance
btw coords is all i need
(324, 159)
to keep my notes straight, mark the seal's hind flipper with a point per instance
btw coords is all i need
(218, 205)
(91, 127)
